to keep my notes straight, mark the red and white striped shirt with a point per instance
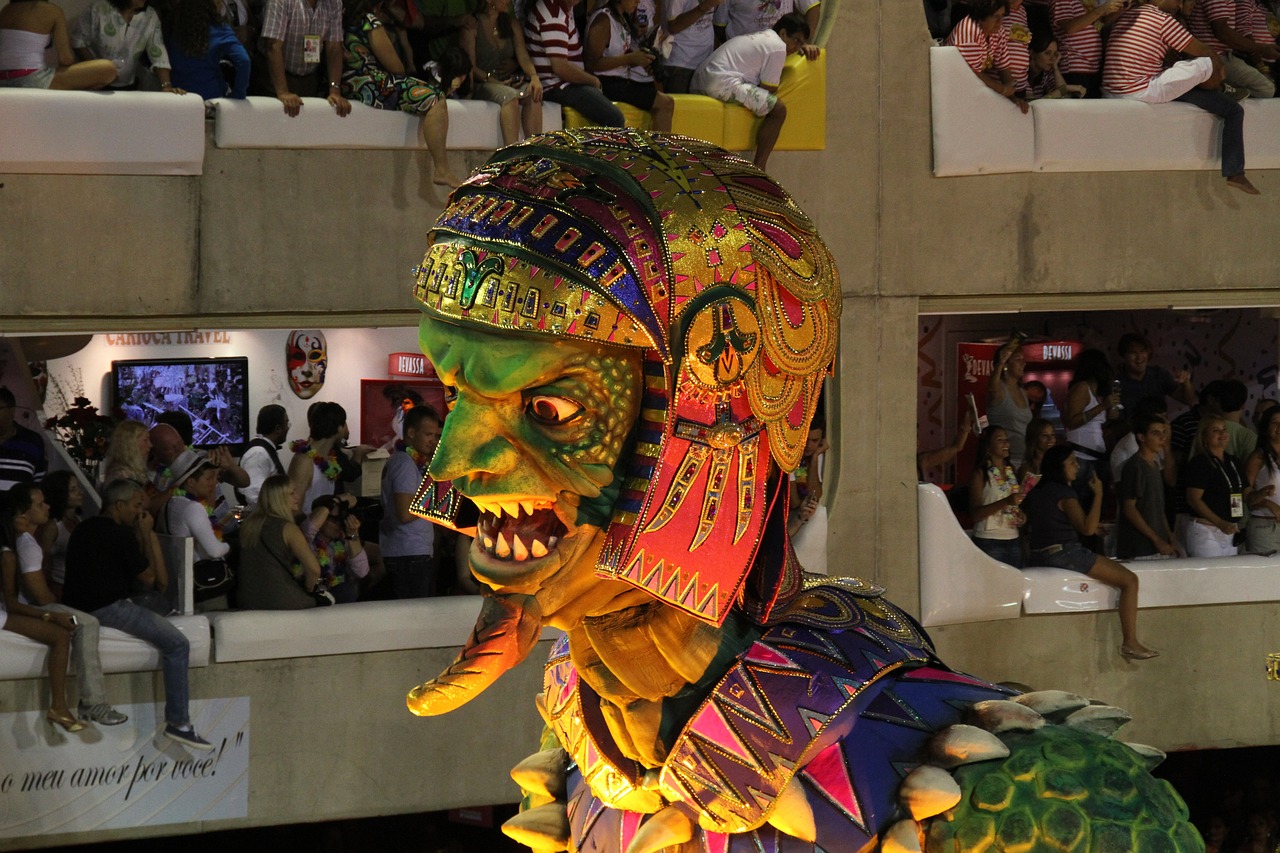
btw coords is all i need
(1207, 11)
(1137, 47)
(1081, 50)
(1018, 37)
(549, 31)
(1251, 20)
(980, 51)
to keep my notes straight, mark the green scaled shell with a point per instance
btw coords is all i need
(1062, 790)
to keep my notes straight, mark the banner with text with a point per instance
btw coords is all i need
(109, 777)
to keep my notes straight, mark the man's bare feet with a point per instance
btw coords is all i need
(1243, 184)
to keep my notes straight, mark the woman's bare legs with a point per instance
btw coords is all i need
(530, 116)
(58, 639)
(509, 120)
(435, 132)
(664, 107)
(93, 74)
(1113, 574)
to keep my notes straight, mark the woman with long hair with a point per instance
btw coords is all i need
(375, 74)
(1091, 404)
(613, 53)
(270, 544)
(127, 454)
(1007, 403)
(994, 498)
(1217, 492)
(1057, 521)
(502, 71)
(65, 499)
(1040, 436)
(52, 629)
(1262, 471)
(199, 41)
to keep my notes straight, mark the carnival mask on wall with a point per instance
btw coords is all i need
(307, 355)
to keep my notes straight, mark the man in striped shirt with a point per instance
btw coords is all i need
(551, 36)
(22, 456)
(1135, 69)
(983, 41)
(1214, 23)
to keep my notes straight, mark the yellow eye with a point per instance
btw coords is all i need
(450, 396)
(552, 411)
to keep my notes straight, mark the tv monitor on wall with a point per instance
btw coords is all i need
(214, 393)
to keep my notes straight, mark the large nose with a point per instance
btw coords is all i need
(473, 443)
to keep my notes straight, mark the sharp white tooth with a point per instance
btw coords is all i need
(527, 506)
(538, 549)
(488, 542)
(522, 553)
(551, 543)
(503, 549)
(513, 509)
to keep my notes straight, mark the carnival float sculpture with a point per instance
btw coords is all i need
(633, 331)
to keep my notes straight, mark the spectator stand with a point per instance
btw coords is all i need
(803, 88)
(959, 583)
(978, 132)
(156, 133)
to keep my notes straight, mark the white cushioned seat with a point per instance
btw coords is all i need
(975, 131)
(260, 122)
(24, 658)
(100, 133)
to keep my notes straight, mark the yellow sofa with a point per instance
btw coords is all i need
(803, 89)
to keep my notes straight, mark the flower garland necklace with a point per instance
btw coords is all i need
(328, 465)
(330, 553)
(214, 521)
(419, 458)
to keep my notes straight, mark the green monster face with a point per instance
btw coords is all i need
(534, 436)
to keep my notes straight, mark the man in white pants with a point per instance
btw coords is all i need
(1134, 69)
(746, 70)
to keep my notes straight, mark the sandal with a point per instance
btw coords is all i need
(65, 720)
(1134, 654)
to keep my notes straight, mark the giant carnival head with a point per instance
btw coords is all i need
(633, 331)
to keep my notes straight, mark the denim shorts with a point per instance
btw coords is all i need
(1074, 557)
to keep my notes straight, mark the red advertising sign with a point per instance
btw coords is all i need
(409, 364)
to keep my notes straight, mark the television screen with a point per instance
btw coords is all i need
(213, 392)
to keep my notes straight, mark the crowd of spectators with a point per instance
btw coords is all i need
(1208, 53)
(410, 55)
(271, 531)
(1126, 482)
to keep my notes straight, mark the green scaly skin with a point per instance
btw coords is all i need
(1063, 789)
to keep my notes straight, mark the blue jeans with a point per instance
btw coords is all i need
(175, 651)
(1232, 115)
(589, 101)
(1005, 550)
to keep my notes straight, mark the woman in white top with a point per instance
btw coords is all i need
(65, 498)
(27, 27)
(613, 54)
(1091, 403)
(1262, 470)
(52, 629)
(994, 498)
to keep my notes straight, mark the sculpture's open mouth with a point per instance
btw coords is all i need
(518, 530)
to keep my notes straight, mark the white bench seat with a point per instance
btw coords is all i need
(977, 132)
(21, 657)
(960, 583)
(100, 133)
(259, 122)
